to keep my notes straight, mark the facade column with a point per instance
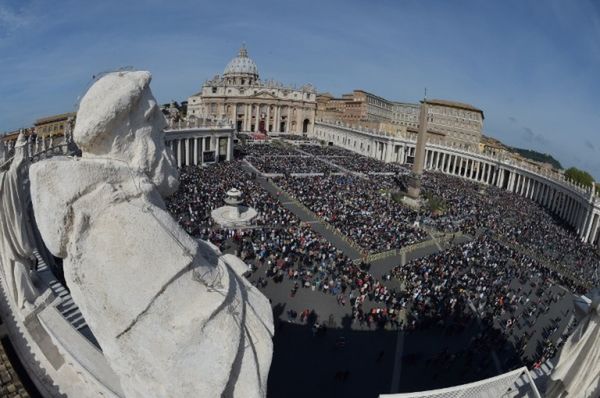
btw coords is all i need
(299, 115)
(247, 117)
(268, 120)
(257, 118)
(276, 123)
(217, 145)
(229, 148)
(288, 122)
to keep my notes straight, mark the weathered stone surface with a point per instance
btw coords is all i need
(577, 372)
(16, 236)
(173, 316)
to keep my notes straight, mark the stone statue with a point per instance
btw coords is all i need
(577, 372)
(16, 236)
(3, 153)
(174, 317)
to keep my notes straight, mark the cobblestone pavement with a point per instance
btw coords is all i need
(10, 382)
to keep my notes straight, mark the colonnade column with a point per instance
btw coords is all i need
(178, 153)
(187, 151)
(195, 140)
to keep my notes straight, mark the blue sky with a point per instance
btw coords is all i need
(532, 66)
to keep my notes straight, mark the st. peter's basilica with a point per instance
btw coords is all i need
(255, 105)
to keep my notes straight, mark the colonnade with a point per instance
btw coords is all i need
(197, 146)
(578, 206)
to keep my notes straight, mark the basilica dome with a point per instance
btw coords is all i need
(241, 65)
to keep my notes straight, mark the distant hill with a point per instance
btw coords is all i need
(537, 156)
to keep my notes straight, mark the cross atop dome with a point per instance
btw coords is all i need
(243, 53)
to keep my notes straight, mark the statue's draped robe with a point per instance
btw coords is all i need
(172, 317)
(577, 373)
(16, 240)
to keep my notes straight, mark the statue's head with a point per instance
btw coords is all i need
(119, 119)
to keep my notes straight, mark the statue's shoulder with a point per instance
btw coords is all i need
(61, 184)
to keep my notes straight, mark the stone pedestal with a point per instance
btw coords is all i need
(414, 187)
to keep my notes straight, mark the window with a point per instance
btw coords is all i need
(214, 90)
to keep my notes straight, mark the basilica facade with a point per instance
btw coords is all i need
(254, 105)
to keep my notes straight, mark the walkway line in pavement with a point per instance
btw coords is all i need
(437, 243)
(397, 362)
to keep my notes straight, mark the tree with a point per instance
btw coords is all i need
(579, 176)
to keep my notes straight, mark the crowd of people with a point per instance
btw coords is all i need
(360, 209)
(470, 207)
(503, 287)
(203, 189)
(352, 161)
(501, 276)
(296, 164)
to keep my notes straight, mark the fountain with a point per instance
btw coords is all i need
(234, 214)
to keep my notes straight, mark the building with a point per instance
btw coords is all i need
(46, 132)
(356, 108)
(406, 114)
(53, 125)
(461, 124)
(454, 122)
(252, 104)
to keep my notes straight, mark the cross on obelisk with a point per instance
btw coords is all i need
(414, 183)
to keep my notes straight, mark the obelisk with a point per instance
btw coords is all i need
(414, 182)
